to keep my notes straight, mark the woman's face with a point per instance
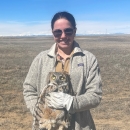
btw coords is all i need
(63, 33)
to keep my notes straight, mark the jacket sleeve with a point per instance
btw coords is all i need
(30, 86)
(93, 91)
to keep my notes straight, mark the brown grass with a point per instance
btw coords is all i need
(113, 54)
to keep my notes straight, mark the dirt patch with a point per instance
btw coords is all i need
(113, 54)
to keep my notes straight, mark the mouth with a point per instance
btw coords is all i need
(64, 41)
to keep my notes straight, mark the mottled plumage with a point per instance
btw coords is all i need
(52, 119)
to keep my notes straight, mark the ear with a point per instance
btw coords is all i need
(75, 31)
(52, 34)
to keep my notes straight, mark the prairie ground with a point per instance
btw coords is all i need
(113, 54)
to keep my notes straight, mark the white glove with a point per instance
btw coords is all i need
(59, 100)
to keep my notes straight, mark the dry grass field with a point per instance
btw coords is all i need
(113, 54)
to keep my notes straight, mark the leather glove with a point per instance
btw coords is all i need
(59, 100)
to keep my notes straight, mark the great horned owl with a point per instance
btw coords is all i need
(53, 119)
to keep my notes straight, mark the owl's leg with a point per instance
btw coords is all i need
(61, 115)
(43, 123)
(64, 124)
(61, 127)
(47, 124)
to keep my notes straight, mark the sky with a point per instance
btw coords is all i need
(33, 17)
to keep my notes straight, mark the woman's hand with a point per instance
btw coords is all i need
(59, 100)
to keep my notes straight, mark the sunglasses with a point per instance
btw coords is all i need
(67, 31)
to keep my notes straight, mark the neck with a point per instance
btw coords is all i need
(64, 52)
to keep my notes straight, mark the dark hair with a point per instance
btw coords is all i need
(65, 15)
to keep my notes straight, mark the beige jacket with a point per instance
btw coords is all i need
(85, 80)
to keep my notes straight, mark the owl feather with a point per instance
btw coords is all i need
(50, 118)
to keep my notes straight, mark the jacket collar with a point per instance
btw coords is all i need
(52, 50)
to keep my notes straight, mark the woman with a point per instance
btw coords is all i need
(81, 65)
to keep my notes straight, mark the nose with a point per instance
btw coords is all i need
(63, 34)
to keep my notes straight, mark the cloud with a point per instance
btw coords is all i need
(92, 27)
(19, 29)
(44, 28)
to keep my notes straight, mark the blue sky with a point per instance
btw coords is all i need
(27, 17)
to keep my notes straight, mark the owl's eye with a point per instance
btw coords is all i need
(62, 78)
(53, 77)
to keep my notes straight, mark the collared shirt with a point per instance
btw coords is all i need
(62, 65)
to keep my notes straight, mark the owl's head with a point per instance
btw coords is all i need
(57, 78)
